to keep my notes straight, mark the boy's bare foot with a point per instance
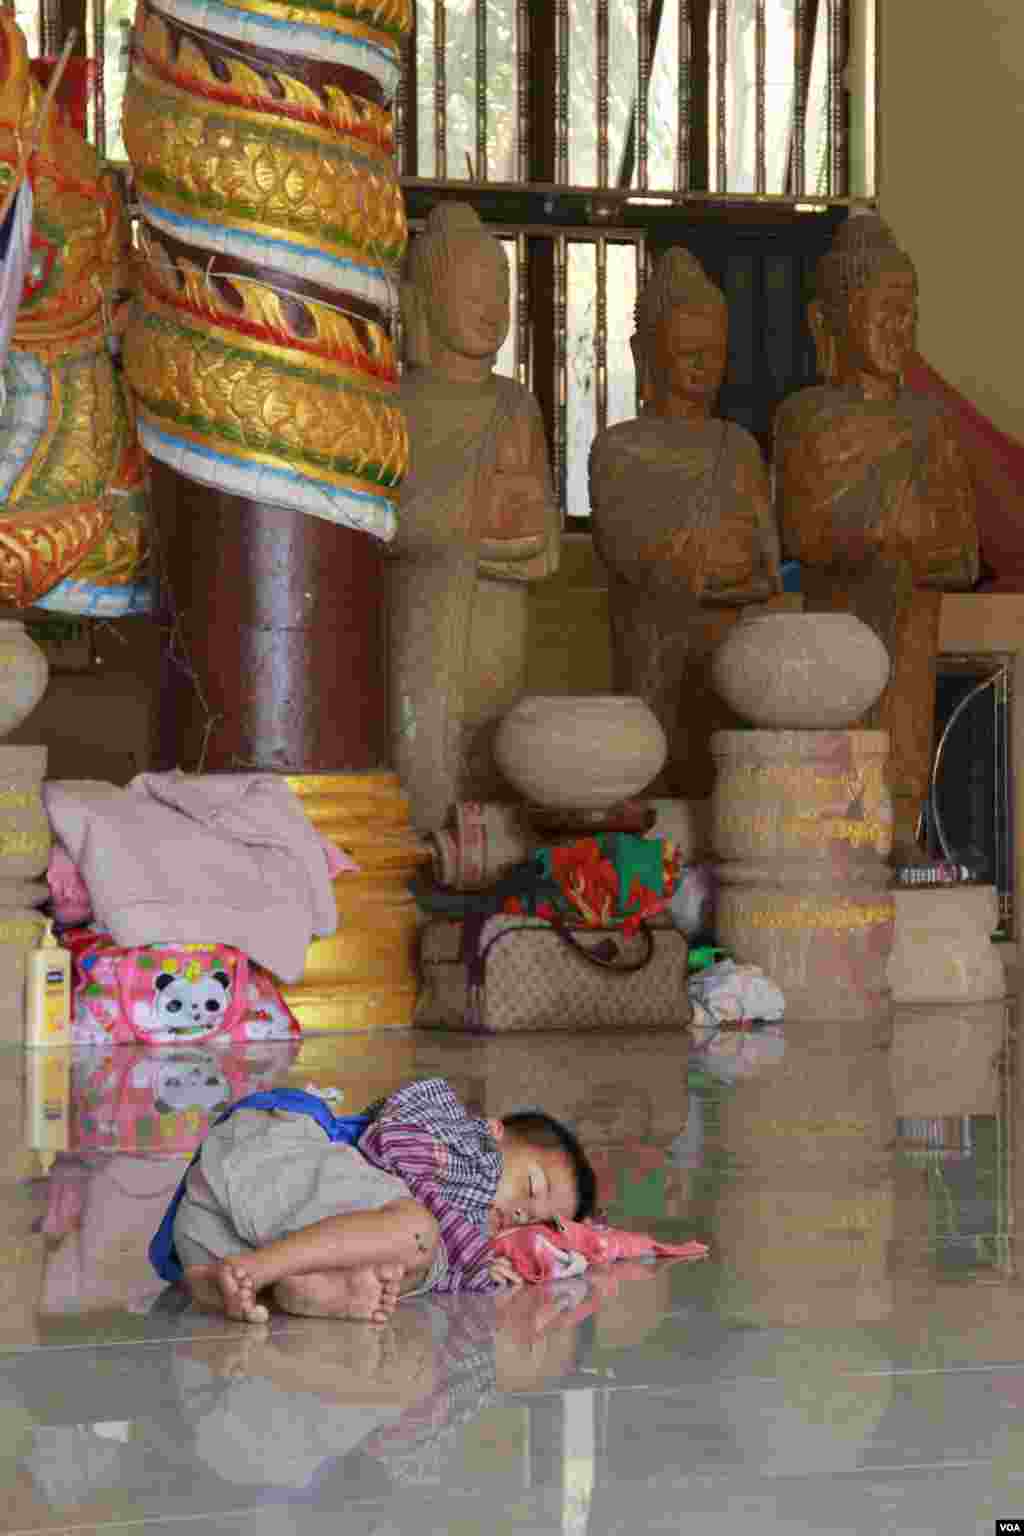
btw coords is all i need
(225, 1288)
(366, 1295)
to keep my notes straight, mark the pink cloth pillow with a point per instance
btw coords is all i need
(68, 891)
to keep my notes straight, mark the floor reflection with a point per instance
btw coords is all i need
(856, 1330)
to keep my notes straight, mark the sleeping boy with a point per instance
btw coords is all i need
(272, 1209)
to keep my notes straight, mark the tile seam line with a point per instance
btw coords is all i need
(659, 1389)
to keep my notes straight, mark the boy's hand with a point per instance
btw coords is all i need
(504, 1271)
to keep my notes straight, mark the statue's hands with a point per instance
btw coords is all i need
(517, 521)
(515, 508)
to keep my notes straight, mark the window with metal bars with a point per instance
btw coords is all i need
(672, 96)
(596, 133)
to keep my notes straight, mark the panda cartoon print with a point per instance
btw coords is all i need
(191, 1007)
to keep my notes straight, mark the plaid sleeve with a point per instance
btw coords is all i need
(424, 1135)
(451, 1163)
(467, 1246)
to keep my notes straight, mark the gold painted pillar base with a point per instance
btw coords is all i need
(364, 976)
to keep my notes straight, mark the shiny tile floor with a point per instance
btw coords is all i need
(850, 1358)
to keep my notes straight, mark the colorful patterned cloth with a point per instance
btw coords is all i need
(451, 1162)
(613, 879)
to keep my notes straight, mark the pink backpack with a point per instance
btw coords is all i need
(173, 994)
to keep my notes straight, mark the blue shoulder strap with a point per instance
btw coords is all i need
(341, 1128)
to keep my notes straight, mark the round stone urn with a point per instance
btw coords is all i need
(800, 671)
(580, 752)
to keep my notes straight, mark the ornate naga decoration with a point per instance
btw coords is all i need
(71, 488)
(260, 134)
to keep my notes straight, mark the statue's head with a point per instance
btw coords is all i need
(682, 334)
(455, 300)
(864, 315)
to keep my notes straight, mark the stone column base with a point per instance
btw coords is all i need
(943, 950)
(945, 1058)
(364, 976)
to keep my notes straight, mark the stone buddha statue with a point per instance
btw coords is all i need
(681, 510)
(477, 521)
(874, 495)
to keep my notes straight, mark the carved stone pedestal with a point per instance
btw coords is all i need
(945, 1058)
(24, 851)
(801, 828)
(943, 950)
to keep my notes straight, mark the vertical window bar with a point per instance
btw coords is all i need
(399, 128)
(722, 59)
(480, 169)
(440, 94)
(760, 159)
(601, 23)
(640, 255)
(800, 66)
(522, 313)
(683, 100)
(99, 87)
(601, 336)
(523, 72)
(838, 177)
(830, 78)
(874, 96)
(406, 156)
(561, 369)
(643, 72)
(50, 28)
(562, 91)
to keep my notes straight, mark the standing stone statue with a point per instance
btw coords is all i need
(681, 507)
(477, 521)
(874, 495)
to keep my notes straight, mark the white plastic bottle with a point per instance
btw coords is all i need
(48, 993)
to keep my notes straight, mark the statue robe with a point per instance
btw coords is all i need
(875, 499)
(458, 610)
(682, 519)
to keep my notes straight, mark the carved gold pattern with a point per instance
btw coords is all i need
(253, 93)
(57, 506)
(85, 451)
(289, 181)
(280, 412)
(24, 845)
(838, 917)
(22, 933)
(359, 350)
(804, 781)
(34, 558)
(807, 829)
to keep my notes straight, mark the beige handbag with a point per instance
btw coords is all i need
(507, 973)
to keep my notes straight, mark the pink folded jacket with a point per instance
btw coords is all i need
(541, 1252)
(198, 859)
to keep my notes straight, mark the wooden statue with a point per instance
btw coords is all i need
(874, 495)
(681, 507)
(477, 521)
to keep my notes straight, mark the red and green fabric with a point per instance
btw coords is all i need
(611, 880)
